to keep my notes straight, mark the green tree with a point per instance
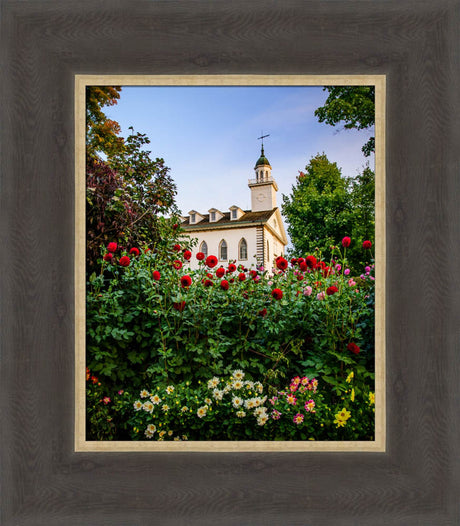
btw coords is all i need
(325, 206)
(353, 105)
(318, 211)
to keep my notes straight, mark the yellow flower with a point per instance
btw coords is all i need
(371, 398)
(352, 397)
(340, 423)
(343, 415)
(350, 377)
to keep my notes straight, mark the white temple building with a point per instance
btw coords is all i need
(248, 237)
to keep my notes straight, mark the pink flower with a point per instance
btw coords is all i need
(307, 291)
(351, 283)
(298, 418)
(310, 406)
(106, 400)
(320, 296)
(346, 271)
(276, 414)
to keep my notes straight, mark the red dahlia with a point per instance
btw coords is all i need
(231, 267)
(177, 264)
(185, 281)
(346, 241)
(331, 290)
(108, 256)
(156, 275)
(352, 347)
(124, 261)
(311, 261)
(200, 256)
(220, 272)
(303, 266)
(112, 247)
(208, 283)
(367, 244)
(224, 284)
(176, 248)
(211, 261)
(293, 261)
(187, 254)
(180, 306)
(134, 251)
(241, 276)
(263, 312)
(253, 273)
(277, 294)
(281, 263)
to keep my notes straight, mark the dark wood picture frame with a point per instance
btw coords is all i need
(44, 44)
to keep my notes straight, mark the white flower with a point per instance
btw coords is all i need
(184, 437)
(170, 433)
(148, 434)
(237, 384)
(138, 405)
(249, 384)
(238, 374)
(218, 395)
(207, 401)
(165, 408)
(237, 401)
(202, 411)
(227, 388)
(214, 382)
(151, 428)
(250, 403)
(148, 406)
(144, 393)
(155, 399)
(260, 411)
(262, 419)
(184, 409)
(240, 414)
(170, 389)
(259, 387)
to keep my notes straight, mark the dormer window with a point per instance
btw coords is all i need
(213, 216)
(234, 212)
(192, 218)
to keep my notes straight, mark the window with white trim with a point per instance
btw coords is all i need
(204, 248)
(243, 249)
(223, 250)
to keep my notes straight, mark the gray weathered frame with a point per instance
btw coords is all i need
(43, 45)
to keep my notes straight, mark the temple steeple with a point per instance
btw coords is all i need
(263, 187)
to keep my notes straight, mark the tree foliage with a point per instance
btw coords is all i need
(126, 189)
(353, 105)
(324, 207)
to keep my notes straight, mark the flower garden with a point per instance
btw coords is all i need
(227, 352)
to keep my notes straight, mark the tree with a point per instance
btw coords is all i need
(126, 190)
(324, 207)
(318, 210)
(354, 105)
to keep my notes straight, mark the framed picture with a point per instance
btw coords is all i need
(220, 369)
(50, 474)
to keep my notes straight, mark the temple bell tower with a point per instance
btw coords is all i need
(263, 187)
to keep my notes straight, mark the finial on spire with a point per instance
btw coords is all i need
(262, 137)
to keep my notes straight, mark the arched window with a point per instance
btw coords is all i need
(268, 251)
(243, 249)
(223, 250)
(204, 248)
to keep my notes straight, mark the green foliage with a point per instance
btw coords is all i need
(353, 105)
(324, 204)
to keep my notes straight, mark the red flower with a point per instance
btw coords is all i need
(124, 261)
(187, 254)
(241, 276)
(311, 261)
(281, 263)
(179, 306)
(253, 273)
(293, 261)
(346, 241)
(147, 250)
(175, 226)
(224, 284)
(185, 281)
(326, 272)
(108, 256)
(112, 247)
(331, 290)
(207, 283)
(299, 277)
(176, 248)
(211, 261)
(177, 264)
(277, 294)
(220, 272)
(303, 266)
(352, 347)
(134, 251)
(106, 400)
(200, 256)
(231, 267)
(367, 244)
(156, 275)
(263, 312)
(94, 379)
(232, 280)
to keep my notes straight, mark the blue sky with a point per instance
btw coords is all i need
(208, 137)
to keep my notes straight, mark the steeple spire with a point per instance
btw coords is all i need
(262, 137)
